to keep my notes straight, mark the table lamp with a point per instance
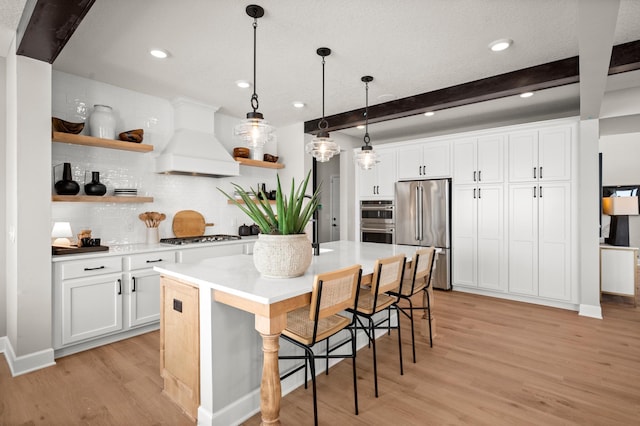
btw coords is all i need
(619, 208)
(61, 232)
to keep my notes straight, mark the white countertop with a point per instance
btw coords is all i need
(128, 249)
(238, 276)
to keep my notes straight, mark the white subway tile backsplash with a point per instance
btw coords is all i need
(73, 99)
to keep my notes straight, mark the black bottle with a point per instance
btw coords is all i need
(95, 187)
(67, 186)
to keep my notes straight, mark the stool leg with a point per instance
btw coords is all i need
(399, 340)
(413, 338)
(372, 339)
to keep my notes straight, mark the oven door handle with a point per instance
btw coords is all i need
(378, 230)
(370, 208)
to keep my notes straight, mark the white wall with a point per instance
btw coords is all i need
(3, 195)
(73, 98)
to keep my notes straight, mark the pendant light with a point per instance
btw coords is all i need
(367, 157)
(322, 147)
(255, 131)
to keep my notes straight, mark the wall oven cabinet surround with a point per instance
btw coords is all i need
(478, 160)
(424, 160)
(380, 180)
(540, 155)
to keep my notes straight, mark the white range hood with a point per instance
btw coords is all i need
(193, 149)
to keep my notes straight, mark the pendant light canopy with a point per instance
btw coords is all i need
(255, 131)
(322, 147)
(367, 157)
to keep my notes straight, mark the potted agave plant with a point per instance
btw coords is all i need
(282, 250)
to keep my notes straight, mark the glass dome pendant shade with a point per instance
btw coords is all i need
(255, 131)
(322, 147)
(366, 158)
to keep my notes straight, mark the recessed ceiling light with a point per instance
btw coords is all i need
(429, 114)
(243, 84)
(159, 53)
(298, 104)
(500, 45)
(360, 127)
(526, 94)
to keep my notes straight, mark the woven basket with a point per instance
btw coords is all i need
(282, 256)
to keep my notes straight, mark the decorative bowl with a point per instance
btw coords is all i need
(271, 158)
(241, 152)
(135, 135)
(60, 125)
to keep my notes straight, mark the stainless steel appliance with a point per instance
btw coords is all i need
(377, 221)
(423, 219)
(200, 239)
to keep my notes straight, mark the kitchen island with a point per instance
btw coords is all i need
(234, 281)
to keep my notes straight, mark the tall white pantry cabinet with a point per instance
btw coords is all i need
(512, 210)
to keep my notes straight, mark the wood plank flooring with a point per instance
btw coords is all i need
(494, 362)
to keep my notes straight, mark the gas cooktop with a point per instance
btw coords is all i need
(201, 239)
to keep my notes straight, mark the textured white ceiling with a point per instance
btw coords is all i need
(409, 46)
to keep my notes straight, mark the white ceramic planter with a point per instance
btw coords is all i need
(282, 256)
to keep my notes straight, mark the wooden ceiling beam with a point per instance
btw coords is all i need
(47, 25)
(625, 57)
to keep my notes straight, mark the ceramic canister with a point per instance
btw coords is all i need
(102, 123)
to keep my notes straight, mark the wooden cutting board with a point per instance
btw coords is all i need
(189, 223)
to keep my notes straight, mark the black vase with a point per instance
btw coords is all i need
(95, 187)
(67, 186)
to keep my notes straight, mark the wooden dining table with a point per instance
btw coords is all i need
(234, 281)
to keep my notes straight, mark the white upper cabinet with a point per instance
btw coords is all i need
(478, 160)
(540, 155)
(379, 182)
(424, 160)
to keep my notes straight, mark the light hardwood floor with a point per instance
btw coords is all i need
(494, 362)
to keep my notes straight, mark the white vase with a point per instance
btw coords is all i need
(102, 123)
(282, 256)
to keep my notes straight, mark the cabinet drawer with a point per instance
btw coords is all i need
(148, 260)
(90, 267)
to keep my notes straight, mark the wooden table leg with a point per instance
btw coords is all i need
(270, 391)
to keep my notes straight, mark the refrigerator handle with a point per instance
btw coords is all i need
(421, 220)
(417, 213)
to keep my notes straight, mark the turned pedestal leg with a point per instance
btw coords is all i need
(270, 391)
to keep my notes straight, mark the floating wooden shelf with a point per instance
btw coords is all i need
(97, 199)
(255, 201)
(100, 143)
(258, 163)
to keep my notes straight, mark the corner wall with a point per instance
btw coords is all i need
(3, 196)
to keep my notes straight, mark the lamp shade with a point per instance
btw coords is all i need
(61, 232)
(620, 206)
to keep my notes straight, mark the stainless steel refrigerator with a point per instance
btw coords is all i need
(423, 219)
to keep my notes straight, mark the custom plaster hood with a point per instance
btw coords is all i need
(193, 149)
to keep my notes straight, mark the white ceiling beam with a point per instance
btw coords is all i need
(596, 29)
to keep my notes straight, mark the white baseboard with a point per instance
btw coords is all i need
(591, 311)
(25, 363)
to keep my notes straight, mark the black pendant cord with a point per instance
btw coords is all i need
(367, 139)
(254, 97)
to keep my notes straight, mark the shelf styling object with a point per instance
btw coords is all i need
(322, 147)
(135, 135)
(95, 187)
(67, 186)
(60, 125)
(255, 131)
(152, 222)
(61, 233)
(282, 250)
(102, 123)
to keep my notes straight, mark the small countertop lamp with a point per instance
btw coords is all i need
(61, 232)
(619, 208)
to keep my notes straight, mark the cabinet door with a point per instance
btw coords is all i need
(436, 159)
(91, 307)
(523, 156)
(464, 161)
(523, 239)
(490, 161)
(491, 237)
(386, 174)
(144, 297)
(464, 230)
(409, 159)
(554, 150)
(367, 181)
(555, 241)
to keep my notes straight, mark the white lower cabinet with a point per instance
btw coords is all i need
(540, 240)
(478, 237)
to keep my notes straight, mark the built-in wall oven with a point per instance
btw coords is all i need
(377, 221)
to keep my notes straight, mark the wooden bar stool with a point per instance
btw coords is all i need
(333, 292)
(387, 275)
